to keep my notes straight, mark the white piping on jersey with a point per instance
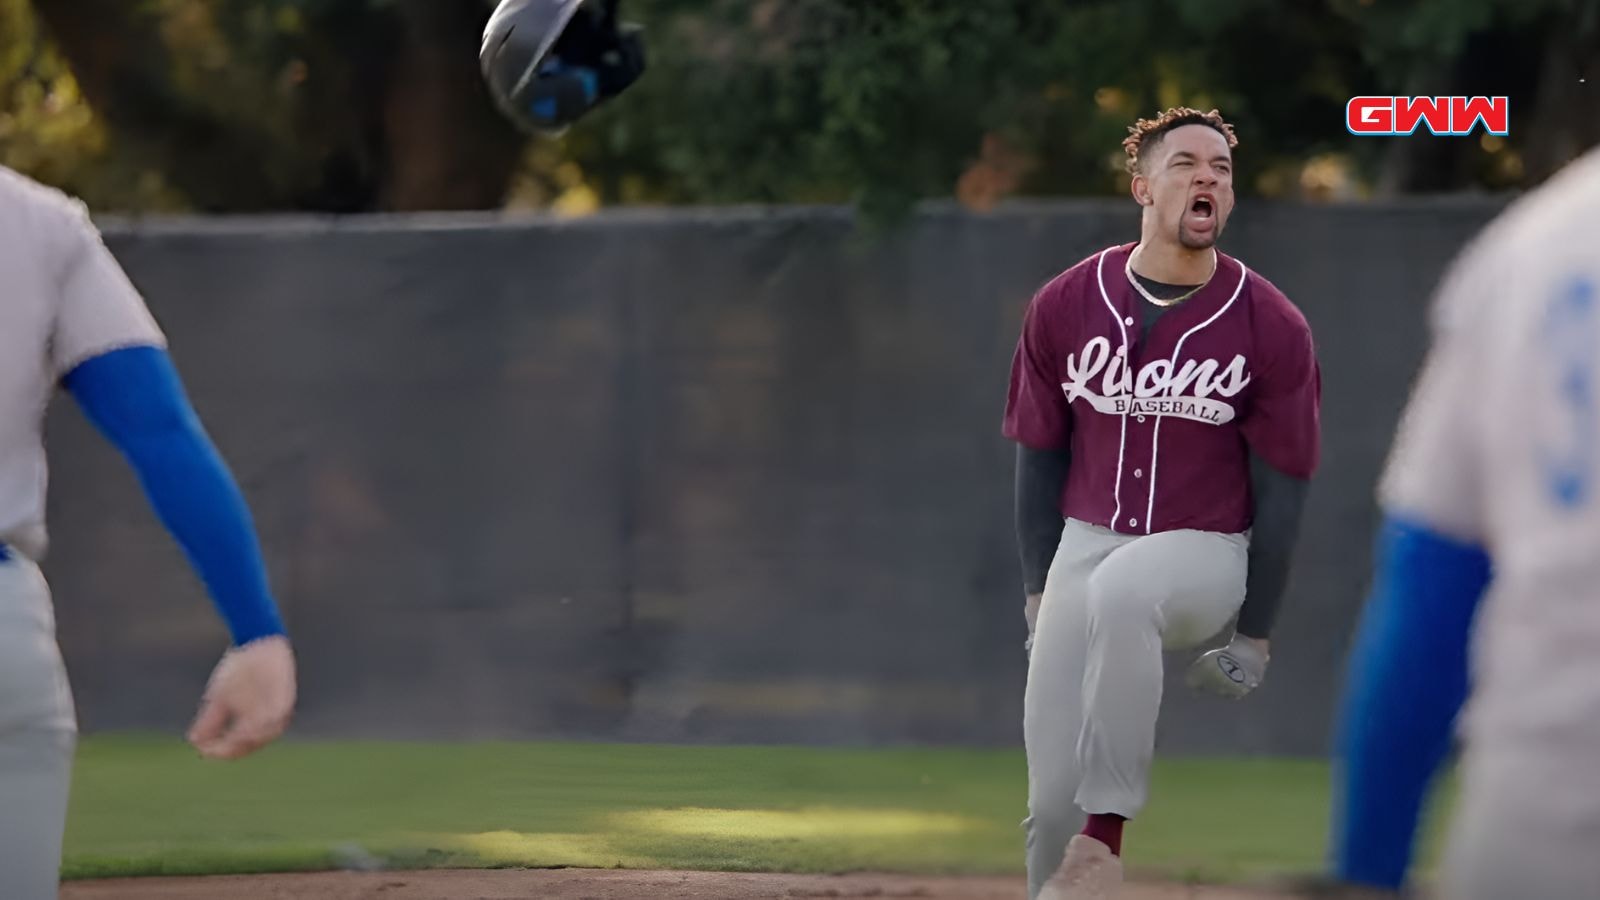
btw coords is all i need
(1122, 445)
(1155, 438)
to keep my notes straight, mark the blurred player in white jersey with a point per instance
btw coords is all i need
(1489, 564)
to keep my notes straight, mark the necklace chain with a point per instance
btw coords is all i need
(1134, 280)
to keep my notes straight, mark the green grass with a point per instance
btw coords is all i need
(144, 806)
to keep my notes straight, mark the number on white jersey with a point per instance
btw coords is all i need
(1570, 335)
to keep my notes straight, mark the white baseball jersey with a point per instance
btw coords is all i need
(64, 300)
(1500, 445)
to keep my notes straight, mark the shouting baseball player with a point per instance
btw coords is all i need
(71, 317)
(1487, 566)
(1165, 400)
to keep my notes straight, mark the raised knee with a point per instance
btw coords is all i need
(1119, 602)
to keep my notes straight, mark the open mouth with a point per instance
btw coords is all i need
(1202, 207)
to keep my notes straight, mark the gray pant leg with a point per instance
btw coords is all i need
(1166, 591)
(1053, 703)
(35, 773)
(37, 737)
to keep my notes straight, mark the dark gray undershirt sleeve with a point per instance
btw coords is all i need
(1040, 476)
(1279, 500)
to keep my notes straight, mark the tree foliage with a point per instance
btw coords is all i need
(349, 105)
(335, 105)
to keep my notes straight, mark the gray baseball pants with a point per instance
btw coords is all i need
(38, 736)
(1112, 603)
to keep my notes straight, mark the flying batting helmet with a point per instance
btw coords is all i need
(549, 62)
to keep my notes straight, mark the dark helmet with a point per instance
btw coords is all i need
(549, 62)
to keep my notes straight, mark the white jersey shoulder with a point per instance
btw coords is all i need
(1497, 419)
(66, 301)
(45, 218)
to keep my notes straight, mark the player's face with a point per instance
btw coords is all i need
(1188, 186)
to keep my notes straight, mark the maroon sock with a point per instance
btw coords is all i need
(1107, 829)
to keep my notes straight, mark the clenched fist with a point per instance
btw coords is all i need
(248, 701)
(1232, 671)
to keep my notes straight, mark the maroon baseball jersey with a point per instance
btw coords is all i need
(1160, 427)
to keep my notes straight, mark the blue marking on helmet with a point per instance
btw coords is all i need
(544, 107)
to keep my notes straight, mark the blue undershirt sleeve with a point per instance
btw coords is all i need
(1406, 681)
(136, 399)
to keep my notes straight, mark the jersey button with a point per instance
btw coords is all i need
(1134, 523)
(1138, 473)
(1128, 321)
(1140, 418)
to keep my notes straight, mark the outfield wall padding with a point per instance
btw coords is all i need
(712, 475)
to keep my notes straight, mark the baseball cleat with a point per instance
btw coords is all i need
(1089, 871)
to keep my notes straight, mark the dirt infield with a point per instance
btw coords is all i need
(583, 884)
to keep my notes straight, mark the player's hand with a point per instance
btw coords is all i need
(1232, 671)
(248, 702)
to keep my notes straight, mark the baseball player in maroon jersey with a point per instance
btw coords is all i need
(1165, 403)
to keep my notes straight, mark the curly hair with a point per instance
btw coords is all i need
(1145, 135)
